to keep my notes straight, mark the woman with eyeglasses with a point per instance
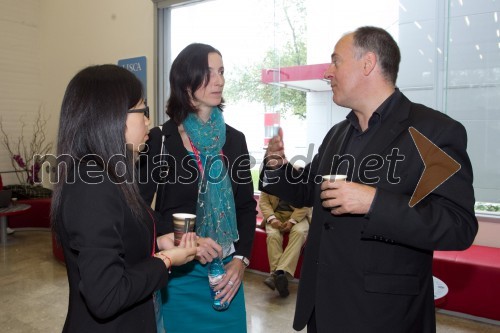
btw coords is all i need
(207, 173)
(114, 260)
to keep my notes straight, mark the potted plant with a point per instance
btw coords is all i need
(27, 158)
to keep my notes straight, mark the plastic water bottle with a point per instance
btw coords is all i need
(216, 273)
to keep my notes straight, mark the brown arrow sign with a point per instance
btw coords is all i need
(439, 166)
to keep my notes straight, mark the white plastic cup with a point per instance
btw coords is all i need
(334, 178)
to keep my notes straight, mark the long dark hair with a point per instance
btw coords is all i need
(93, 122)
(188, 73)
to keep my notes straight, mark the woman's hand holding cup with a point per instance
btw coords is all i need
(181, 254)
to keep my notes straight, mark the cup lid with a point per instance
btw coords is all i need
(184, 216)
(334, 177)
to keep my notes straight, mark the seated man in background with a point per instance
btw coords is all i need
(280, 218)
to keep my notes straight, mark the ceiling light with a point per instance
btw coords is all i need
(417, 24)
(467, 21)
(477, 47)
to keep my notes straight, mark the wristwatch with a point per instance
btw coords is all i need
(245, 260)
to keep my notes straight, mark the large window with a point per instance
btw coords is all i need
(252, 35)
(450, 61)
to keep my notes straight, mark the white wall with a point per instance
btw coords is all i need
(20, 82)
(489, 231)
(75, 34)
(43, 43)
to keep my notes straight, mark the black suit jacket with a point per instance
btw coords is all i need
(107, 251)
(178, 191)
(373, 273)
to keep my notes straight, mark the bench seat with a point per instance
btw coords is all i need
(38, 216)
(473, 280)
(259, 260)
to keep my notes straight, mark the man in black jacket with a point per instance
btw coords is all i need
(368, 259)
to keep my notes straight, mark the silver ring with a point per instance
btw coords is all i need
(230, 283)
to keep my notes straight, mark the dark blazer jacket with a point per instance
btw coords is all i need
(178, 191)
(107, 251)
(373, 273)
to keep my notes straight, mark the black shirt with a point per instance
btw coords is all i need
(358, 139)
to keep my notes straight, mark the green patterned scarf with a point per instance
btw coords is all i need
(215, 210)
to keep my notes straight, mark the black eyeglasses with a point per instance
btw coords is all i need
(143, 110)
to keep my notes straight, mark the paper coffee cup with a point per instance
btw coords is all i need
(183, 223)
(334, 178)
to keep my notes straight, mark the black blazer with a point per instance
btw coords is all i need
(111, 273)
(373, 273)
(178, 191)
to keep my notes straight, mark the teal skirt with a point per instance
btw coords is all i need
(187, 303)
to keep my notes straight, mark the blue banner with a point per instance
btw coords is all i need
(138, 67)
